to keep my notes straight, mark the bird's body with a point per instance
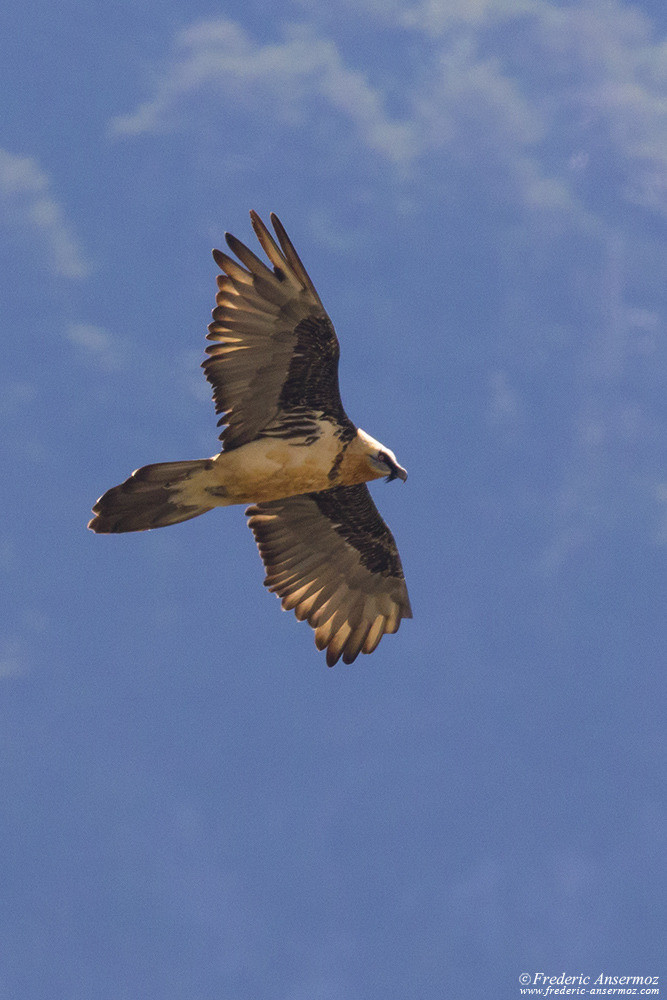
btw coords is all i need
(290, 450)
(272, 468)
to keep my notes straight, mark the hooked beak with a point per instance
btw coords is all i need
(397, 473)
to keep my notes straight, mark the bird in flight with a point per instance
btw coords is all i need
(289, 450)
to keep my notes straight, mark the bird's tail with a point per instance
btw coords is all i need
(154, 496)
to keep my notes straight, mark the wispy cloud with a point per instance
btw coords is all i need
(572, 88)
(97, 345)
(30, 206)
(16, 396)
(13, 661)
(556, 98)
(661, 496)
(284, 79)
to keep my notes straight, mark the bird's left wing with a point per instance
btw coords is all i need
(273, 363)
(331, 558)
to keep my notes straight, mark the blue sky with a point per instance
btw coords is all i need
(193, 805)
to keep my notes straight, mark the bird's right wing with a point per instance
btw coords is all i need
(274, 358)
(331, 558)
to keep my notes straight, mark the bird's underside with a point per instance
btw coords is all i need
(289, 450)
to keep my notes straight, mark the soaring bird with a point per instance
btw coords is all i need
(289, 450)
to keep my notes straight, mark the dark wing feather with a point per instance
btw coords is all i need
(331, 558)
(275, 350)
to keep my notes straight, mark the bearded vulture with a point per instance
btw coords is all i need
(289, 450)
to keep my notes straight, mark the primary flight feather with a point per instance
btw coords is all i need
(288, 449)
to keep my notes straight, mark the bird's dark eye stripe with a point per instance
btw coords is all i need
(384, 457)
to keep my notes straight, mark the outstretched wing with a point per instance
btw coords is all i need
(332, 559)
(274, 361)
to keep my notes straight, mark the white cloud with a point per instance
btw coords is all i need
(661, 497)
(29, 205)
(503, 408)
(435, 16)
(284, 79)
(97, 345)
(13, 662)
(16, 396)
(589, 79)
(545, 95)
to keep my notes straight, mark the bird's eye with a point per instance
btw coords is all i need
(383, 457)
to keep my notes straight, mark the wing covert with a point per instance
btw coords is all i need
(331, 559)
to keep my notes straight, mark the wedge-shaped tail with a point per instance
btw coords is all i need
(154, 496)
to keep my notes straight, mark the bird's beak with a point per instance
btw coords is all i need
(401, 473)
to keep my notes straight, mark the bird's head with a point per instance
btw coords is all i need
(381, 460)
